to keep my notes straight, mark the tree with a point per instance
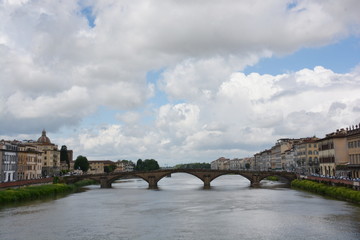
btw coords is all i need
(82, 163)
(109, 168)
(139, 165)
(247, 166)
(147, 165)
(64, 157)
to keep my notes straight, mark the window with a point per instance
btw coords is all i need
(310, 152)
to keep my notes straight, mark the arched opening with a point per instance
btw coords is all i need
(229, 182)
(129, 182)
(275, 181)
(180, 181)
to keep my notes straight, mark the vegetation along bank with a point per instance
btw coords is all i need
(341, 193)
(39, 192)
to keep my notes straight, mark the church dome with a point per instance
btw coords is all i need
(44, 139)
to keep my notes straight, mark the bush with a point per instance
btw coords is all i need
(342, 193)
(38, 192)
(273, 178)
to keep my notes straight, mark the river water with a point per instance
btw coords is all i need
(182, 209)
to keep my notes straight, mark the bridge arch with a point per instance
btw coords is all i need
(120, 176)
(180, 171)
(234, 173)
(280, 174)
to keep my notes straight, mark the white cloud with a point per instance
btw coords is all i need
(56, 70)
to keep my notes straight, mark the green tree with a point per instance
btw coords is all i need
(64, 157)
(109, 168)
(147, 165)
(247, 166)
(194, 166)
(82, 163)
(139, 165)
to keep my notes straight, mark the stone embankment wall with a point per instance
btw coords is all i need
(25, 183)
(335, 182)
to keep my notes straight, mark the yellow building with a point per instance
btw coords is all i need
(353, 143)
(333, 152)
(98, 166)
(50, 155)
(306, 154)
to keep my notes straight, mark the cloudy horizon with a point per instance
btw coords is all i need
(177, 81)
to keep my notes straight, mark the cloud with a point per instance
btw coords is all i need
(242, 118)
(57, 70)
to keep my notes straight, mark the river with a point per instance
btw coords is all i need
(182, 209)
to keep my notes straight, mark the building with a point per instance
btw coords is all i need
(98, 166)
(263, 161)
(8, 161)
(278, 160)
(353, 143)
(221, 164)
(306, 154)
(290, 164)
(124, 166)
(50, 156)
(29, 164)
(236, 164)
(333, 152)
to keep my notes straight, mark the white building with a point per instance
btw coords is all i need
(9, 159)
(221, 164)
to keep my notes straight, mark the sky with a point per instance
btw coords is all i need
(177, 81)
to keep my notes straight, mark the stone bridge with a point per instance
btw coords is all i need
(153, 177)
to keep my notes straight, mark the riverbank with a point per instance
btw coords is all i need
(39, 192)
(341, 193)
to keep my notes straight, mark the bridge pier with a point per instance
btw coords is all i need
(255, 181)
(104, 183)
(152, 182)
(207, 181)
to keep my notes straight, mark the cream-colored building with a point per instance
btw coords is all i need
(221, 164)
(50, 155)
(124, 166)
(306, 154)
(98, 166)
(353, 142)
(333, 152)
(278, 159)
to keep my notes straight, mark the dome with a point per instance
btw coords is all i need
(44, 139)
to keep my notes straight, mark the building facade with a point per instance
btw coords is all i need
(98, 166)
(306, 154)
(221, 164)
(333, 152)
(29, 164)
(9, 161)
(353, 142)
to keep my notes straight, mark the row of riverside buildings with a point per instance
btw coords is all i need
(335, 155)
(29, 159)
